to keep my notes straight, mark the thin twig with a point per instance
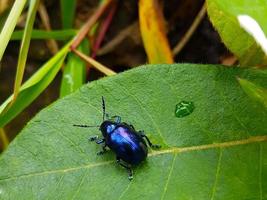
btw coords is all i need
(94, 63)
(88, 25)
(4, 138)
(177, 49)
(51, 44)
(112, 44)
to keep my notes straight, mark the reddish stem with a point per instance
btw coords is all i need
(88, 25)
(103, 30)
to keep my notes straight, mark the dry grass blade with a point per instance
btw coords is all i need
(95, 64)
(178, 48)
(113, 43)
(51, 44)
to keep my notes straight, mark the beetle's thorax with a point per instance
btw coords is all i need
(107, 127)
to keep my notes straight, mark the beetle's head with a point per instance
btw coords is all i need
(107, 127)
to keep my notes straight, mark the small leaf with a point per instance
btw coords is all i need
(153, 32)
(216, 152)
(74, 74)
(224, 16)
(254, 91)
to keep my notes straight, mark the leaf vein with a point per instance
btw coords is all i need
(80, 185)
(233, 111)
(126, 189)
(255, 139)
(260, 170)
(217, 174)
(168, 177)
(57, 185)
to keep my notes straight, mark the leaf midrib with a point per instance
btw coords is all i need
(175, 150)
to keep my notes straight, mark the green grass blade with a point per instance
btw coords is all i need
(10, 25)
(25, 45)
(32, 87)
(43, 35)
(74, 72)
(67, 12)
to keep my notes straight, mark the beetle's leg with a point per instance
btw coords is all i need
(129, 169)
(156, 146)
(107, 116)
(93, 138)
(100, 141)
(132, 126)
(103, 108)
(116, 118)
(97, 141)
(104, 150)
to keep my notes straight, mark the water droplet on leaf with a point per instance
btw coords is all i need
(184, 108)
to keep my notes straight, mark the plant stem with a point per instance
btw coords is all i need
(103, 29)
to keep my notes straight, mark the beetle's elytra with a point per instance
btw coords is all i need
(128, 144)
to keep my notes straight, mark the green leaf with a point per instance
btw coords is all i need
(223, 14)
(216, 152)
(74, 74)
(10, 24)
(31, 89)
(42, 34)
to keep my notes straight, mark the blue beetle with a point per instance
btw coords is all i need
(128, 144)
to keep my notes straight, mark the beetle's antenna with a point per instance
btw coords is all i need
(84, 126)
(104, 108)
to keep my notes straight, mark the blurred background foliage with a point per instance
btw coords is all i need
(118, 34)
